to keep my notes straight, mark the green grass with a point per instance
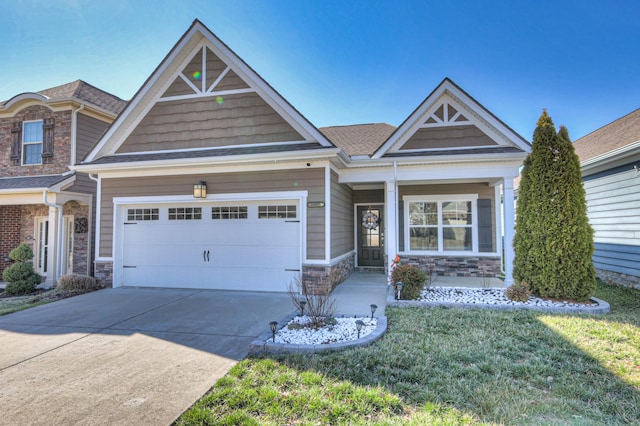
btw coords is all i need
(451, 366)
(9, 305)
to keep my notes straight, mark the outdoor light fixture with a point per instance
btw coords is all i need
(272, 326)
(200, 190)
(399, 284)
(359, 325)
(303, 303)
(373, 309)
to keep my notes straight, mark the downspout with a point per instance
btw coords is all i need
(58, 234)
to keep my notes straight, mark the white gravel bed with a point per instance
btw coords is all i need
(343, 331)
(488, 296)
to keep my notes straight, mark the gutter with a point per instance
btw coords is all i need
(58, 260)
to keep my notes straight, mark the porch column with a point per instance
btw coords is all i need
(390, 231)
(52, 249)
(509, 224)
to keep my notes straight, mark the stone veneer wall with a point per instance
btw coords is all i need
(323, 279)
(472, 266)
(103, 273)
(616, 278)
(9, 234)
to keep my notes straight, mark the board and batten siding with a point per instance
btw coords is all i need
(613, 206)
(239, 119)
(88, 132)
(311, 180)
(484, 191)
(341, 217)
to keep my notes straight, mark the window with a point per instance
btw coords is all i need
(185, 213)
(32, 142)
(229, 212)
(142, 214)
(277, 212)
(441, 223)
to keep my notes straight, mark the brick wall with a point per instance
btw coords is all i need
(9, 234)
(61, 142)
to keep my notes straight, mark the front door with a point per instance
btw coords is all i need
(370, 236)
(41, 249)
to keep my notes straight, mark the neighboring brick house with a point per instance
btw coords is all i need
(610, 162)
(42, 202)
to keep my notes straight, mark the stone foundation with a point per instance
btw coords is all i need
(103, 273)
(616, 278)
(471, 266)
(323, 279)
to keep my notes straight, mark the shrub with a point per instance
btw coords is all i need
(413, 279)
(317, 307)
(20, 276)
(77, 282)
(518, 292)
(553, 241)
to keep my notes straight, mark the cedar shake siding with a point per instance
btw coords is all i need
(311, 180)
(89, 130)
(239, 119)
(341, 217)
(448, 137)
(484, 191)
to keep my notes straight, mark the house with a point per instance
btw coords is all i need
(610, 161)
(209, 178)
(42, 202)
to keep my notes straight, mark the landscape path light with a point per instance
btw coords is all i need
(373, 309)
(272, 326)
(359, 325)
(399, 285)
(303, 303)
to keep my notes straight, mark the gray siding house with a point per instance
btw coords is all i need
(610, 161)
(209, 178)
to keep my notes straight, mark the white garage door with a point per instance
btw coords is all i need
(240, 246)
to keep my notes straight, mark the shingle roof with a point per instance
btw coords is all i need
(216, 152)
(359, 139)
(85, 92)
(617, 134)
(440, 152)
(32, 182)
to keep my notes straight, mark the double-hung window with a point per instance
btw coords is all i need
(441, 223)
(32, 142)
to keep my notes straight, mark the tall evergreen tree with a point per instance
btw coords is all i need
(553, 240)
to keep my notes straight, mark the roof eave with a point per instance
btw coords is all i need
(598, 162)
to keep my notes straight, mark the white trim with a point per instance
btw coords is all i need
(206, 94)
(497, 197)
(356, 227)
(452, 197)
(22, 143)
(327, 213)
(342, 257)
(460, 148)
(236, 196)
(218, 79)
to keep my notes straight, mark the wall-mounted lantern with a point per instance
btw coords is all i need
(200, 190)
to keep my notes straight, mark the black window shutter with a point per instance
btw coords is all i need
(485, 228)
(47, 142)
(16, 143)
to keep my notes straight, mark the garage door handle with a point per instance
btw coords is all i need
(207, 255)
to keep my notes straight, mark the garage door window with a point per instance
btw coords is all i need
(277, 212)
(229, 212)
(185, 213)
(143, 214)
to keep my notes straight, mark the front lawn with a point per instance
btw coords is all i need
(10, 304)
(451, 366)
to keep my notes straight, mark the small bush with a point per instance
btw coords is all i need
(518, 292)
(413, 279)
(77, 282)
(20, 276)
(22, 253)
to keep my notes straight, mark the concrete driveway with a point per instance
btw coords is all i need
(125, 356)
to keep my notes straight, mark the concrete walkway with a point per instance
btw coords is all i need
(356, 294)
(125, 356)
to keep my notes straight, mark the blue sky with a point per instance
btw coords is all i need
(350, 62)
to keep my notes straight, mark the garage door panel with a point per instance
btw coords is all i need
(244, 254)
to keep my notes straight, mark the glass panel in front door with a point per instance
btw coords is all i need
(43, 245)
